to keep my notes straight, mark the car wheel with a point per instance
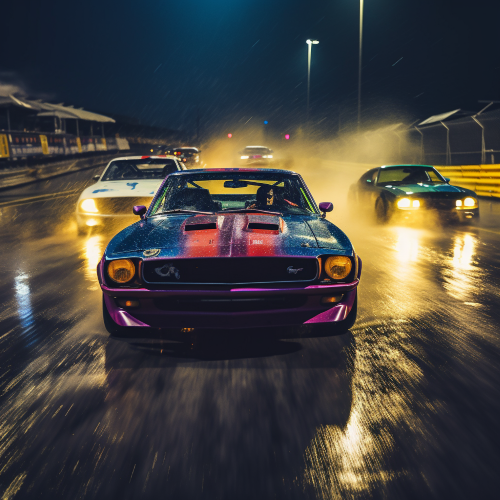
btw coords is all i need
(112, 328)
(346, 324)
(381, 211)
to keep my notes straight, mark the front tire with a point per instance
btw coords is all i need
(112, 328)
(346, 324)
(382, 214)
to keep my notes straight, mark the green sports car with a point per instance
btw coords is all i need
(405, 191)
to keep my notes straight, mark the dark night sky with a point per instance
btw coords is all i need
(158, 60)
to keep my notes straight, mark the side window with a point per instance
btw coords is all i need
(369, 177)
(364, 178)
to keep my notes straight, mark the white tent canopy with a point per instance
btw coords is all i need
(47, 109)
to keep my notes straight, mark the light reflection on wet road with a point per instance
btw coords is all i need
(405, 406)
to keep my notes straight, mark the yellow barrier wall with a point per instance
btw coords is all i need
(483, 179)
(4, 146)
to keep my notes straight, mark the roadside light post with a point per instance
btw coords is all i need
(361, 7)
(310, 43)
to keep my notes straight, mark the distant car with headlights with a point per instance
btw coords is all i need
(188, 155)
(406, 191)
(125, 182)
(255, 156)
(161, 149)
(229, 248)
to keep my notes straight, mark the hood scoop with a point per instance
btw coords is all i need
(264, 226)
(200, 226)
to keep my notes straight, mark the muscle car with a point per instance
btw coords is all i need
(229, 248)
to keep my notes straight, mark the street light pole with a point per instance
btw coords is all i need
(361, 7)
(310, 43)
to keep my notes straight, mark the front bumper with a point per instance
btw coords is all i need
(461, 215)
(310, 311)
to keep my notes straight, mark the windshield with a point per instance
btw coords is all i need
(152, 168)
(220, 192)
(409, 175)
(256, 151)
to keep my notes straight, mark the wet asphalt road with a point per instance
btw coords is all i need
(406, 405)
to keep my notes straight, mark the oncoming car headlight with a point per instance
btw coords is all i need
(407, 203)
(338, 267)
(468, 202)
(88, 205)
(244, 157)
(121, 270)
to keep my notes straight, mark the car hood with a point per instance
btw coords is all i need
(229, 235)
(120, 189)
(406, 189)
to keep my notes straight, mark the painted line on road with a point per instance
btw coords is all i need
(39, 198)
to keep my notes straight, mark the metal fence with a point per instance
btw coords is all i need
(469, 140)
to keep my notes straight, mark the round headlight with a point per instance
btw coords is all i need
(404, 203)
(469, 202)
(89, 205)
(338, 266)
(415, 204)
(121, 270)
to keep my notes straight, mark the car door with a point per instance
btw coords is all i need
(367, 190)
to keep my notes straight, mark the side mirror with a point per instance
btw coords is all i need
(96, 177)
(324, 207)
(271, 151)
(140, 210)
(447, 179)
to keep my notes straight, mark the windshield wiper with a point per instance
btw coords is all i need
(248, 210)
(184, 211)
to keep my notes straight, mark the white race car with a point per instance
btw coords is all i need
(125, 182)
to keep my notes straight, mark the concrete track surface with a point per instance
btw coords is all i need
(405, 405)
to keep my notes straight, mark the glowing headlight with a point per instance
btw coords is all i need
(121, 270)
(404, 203)
(89, 206)
(459, 203)
(338, 266)
(245, 157)
(415, 204)
(267, 156)
(469, 202)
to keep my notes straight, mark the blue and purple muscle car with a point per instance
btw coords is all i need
(229, 248)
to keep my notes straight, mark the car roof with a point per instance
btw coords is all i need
(235, 170)
(406, 165)
(169, 157)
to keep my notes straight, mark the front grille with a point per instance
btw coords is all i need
(440, 204)
(122, 205)
(437, 201)
(230, 270)
(248, 304)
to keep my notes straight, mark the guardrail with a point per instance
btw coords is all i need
(28, 145)
(484, 180)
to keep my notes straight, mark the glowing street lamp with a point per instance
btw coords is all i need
(310, 43)
(361, 7)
